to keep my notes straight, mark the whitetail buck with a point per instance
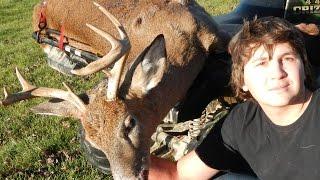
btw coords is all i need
(165, 43)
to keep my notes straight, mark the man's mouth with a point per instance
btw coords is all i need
(280, 87)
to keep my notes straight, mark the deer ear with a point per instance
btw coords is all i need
(149, 68)
(57, 107)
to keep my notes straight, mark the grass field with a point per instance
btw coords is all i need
(41, 147)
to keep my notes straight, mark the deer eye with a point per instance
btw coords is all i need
(129, 124)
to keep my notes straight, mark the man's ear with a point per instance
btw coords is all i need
(245, 88)
(147, 70)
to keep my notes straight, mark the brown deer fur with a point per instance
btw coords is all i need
(190, 35)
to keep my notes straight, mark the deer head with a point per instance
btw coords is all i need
(157, 53)
(118, 127)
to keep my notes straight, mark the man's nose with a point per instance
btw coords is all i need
(277, 70)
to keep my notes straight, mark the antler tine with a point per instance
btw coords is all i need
(118, 49)
(26, 86)
(118, 52)
(74, 99)
(183, 2)
(5, 92)
(113, 41)
(30, 91)
(114, 20)
(113, 81)
(24, 94)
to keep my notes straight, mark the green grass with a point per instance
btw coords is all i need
(33, 146)
(218, 7)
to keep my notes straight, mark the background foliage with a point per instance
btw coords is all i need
(41, 147)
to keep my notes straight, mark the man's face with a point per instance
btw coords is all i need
(276, 81)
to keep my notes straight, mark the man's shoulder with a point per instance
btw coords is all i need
(245, 109)
(316, 93)
(314, 101)
(243, 116)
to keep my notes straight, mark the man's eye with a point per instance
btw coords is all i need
(261, 63)
(289, 59)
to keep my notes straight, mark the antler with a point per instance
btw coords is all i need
(119, 51)
(30, 91)
(183, 2)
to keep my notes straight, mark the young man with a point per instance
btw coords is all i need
(276, 130)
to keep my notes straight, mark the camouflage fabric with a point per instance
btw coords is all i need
(173, 140)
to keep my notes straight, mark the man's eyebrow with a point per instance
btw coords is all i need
(289, 53)
(266, 57)
(261, 58)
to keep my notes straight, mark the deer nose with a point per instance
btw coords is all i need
(144, 175)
